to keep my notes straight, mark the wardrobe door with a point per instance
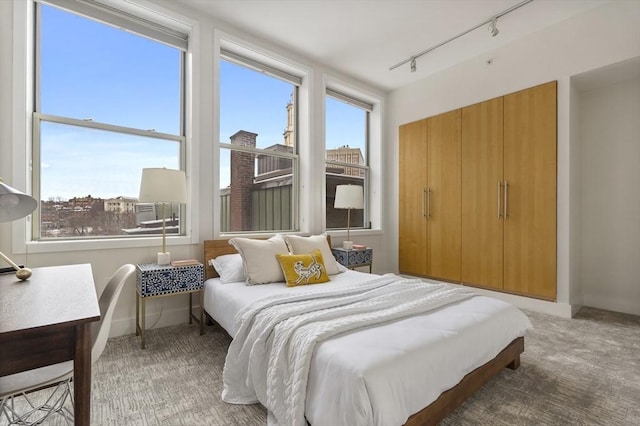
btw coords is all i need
(482, 176)
(412, 196)
(443, 196)
(530, 185)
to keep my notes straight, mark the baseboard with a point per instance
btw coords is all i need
(563, 310)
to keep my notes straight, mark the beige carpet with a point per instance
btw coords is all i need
(583, 371)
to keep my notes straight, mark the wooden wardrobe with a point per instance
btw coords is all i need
(499, 176)
(429, 192)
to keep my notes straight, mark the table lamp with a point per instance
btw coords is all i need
(15, 205)
(348, 197)
(163, 186)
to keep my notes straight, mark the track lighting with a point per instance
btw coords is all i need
(493, 29)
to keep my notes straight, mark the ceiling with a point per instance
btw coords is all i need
(364, 38)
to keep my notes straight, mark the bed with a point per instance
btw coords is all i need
(412, 371)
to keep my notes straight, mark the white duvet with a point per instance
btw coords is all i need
(370, 375)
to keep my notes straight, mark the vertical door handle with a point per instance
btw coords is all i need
(499, 197)
(424, 202)
(506, 198)
(428, 202)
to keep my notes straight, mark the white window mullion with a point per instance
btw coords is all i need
(108, 127)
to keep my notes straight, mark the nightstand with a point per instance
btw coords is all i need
(165, 280)
(353, 258)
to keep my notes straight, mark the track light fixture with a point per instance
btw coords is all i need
(493, 29)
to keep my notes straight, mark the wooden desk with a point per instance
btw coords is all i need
(46, 320)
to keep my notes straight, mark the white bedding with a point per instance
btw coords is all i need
(380, 375)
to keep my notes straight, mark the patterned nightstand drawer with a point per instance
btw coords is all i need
(154, 280)
(353, 258)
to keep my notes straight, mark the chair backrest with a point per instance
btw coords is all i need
(108, 299)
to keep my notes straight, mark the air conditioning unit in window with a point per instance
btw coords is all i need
(145, 212)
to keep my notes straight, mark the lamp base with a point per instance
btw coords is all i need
(164, 258)
(23, 274)
(347, 245)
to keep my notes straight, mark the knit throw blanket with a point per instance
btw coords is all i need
(269, 359)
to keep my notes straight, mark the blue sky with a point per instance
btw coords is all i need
(94, 71)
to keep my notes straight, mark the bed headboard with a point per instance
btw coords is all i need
(215, 248)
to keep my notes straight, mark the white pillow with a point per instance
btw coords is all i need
(304, 245)
(259, 258)
(229, 268)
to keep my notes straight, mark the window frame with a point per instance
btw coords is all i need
(366, 168)
(25, 120)
(230, 55)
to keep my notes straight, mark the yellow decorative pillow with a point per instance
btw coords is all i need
(302, 269)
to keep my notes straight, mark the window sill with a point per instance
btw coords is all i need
(105, 244)
(355, 232)
(332, 233)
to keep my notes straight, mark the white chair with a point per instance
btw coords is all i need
(58, 376)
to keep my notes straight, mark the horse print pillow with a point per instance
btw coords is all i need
(303, 269)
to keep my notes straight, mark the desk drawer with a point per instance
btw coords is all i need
(36, 348)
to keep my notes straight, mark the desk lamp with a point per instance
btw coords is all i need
(15, 205)
(348, 197)
(164, 186)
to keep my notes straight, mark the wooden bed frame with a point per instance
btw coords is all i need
(449, 400)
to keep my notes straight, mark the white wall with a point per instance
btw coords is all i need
(601, 36)
(203, 157)
(610, 139)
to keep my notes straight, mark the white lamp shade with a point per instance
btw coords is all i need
(349, 197)
(163, 186)
(14, 204)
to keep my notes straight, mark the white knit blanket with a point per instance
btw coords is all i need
(269, 359)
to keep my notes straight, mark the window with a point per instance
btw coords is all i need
(258, 154)
(108, 103)
(347, 142)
